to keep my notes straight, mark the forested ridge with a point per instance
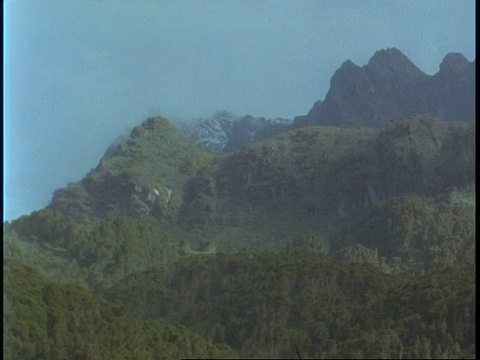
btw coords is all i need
(334, 242)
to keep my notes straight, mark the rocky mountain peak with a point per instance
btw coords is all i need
(391, 86)
(455, 63)
(225, 132)
(346, 76)
(348, 68)
(389, 66)
(390, 58)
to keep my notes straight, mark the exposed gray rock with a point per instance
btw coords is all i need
(227, 132)
(391, 86)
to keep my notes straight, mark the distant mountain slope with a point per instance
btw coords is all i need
(142, 176)
(331, 170)
(224, 132)
(391, 86)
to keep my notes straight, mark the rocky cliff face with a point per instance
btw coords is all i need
(452, 90)
(391, 86)
(225, 132)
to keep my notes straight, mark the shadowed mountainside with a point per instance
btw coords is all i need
(391, 86)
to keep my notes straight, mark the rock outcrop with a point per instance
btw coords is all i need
(391, 86)
(224, 132)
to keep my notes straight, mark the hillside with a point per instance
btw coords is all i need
(298, 299)
(144, 176)
(44, 320)
(338, 242)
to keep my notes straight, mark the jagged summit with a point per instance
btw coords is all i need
(391, 86)
(391, 58)
(454, 62)
(392, 66)
(225, 132)
(348, 71)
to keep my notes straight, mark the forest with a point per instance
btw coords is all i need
(319, 242)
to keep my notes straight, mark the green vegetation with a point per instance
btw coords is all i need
(262, 303)
(145, 176)
(44, 320)
(99, 253)
(342, 242)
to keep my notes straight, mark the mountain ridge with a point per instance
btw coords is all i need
(257, 239)
(390, 85)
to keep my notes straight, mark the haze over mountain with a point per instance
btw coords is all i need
(389, 86)
(77, 73)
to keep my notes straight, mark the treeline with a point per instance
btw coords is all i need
(95, 253)
(410, 233)
(45, 320)
(317, 171)
(367, 238)
(263, 303)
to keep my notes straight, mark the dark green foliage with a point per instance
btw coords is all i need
(239, 249)
(420, 233)
(458, 155)
(103, 252)
(43, 320)
(73, 201)
(143, 177)
(43, 226)
(262, 303)
(311, 242)
(423, 155)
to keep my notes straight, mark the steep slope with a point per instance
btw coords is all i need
(382, 202)
(144, 176)
(328, 170)
(317, 183)
(451, 94)
(391, 86)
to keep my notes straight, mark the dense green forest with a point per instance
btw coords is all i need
(320, 242)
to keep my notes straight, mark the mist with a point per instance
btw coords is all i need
(78, 73)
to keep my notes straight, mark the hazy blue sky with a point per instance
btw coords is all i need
(77, 73)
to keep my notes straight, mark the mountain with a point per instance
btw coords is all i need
(142, 176)
(325, 241)
(320, 178)
(255, 238)
(391, 86)
(224, 132)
